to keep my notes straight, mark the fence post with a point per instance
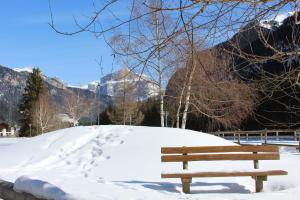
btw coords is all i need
(299, 142)
(261, 136)
(266, 136)
(298, 136)
(12, 131)
(4, 132)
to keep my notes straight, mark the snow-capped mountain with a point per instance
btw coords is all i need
(11, 86)
(55, 81)
(13, 82)
(93, 86)
(275, 21)
(112, 84)
(278, 106)
(24, 69)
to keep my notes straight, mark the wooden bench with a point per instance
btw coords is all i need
(221, 153)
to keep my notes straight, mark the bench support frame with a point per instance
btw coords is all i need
(259, 183)
(213, 153)
(186, 185)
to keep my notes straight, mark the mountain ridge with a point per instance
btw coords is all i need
(13, 81)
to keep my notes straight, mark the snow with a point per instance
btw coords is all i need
(84, 87)
(40, 189)
(8, 141)
(25, 69)
(93, 85)
(276, 20)
(123, 162)
(67, 118)
(281, 17)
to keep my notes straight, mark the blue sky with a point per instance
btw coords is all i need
(27, 40)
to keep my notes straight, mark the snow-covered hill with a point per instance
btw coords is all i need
(123, 162)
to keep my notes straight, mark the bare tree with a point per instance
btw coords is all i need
(266, 55)
(125, 105)
(44, 117)
(142, 45)
(214, 93)
(77, 106)
(151, 35)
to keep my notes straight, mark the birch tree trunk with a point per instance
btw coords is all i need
(124, 99)
(189, 84)
(187, 98)
(178, 111)
(180, 102)
(160, 73)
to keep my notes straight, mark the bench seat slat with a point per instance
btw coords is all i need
(213, 157)
(218, 149)
(223, 174)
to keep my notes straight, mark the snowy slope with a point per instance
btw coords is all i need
(276, 20)
(25, 69)
(123, 162)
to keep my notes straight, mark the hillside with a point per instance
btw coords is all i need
(12, 84)
(13, 81)
(268, 66)
(123, 162)
(279, 100)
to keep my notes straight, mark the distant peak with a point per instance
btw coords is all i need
(276, 20)
(25, 69)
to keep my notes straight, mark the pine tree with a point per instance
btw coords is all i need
(35, 88)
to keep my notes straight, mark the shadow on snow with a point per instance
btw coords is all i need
(176, 187)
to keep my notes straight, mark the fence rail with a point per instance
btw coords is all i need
(5, 133)
(263, 135)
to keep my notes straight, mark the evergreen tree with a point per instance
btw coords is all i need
(150, 109)
(104, 116)
(34, 89)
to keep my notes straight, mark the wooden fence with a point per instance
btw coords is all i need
(5, 133)
(262, 135)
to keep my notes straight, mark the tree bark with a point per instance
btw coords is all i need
(160, 83)
(189, 85)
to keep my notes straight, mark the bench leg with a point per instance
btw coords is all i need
(259, 183)
(186, 184)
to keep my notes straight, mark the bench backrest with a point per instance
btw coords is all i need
(213, 153)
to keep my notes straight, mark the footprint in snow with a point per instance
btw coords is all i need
(101, 158)
(116, 143)
(100, 180)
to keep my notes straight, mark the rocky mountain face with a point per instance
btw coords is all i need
(13, 81)
(277, 69)
(12, 84)
(113, 84)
